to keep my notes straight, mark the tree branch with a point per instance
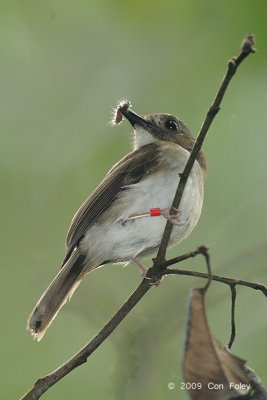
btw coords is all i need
(227, 281)
(233, 303)
(159, 268)
(233, 64)
(43, 384)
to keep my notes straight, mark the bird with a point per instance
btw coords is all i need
(123, 220)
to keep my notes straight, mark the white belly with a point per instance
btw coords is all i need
(120, 240)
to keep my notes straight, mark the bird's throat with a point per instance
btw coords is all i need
(142, 137)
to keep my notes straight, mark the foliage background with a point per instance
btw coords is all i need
(64, 64)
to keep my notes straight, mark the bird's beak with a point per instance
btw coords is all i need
(134, 118)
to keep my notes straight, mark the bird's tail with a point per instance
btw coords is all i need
(57, 293)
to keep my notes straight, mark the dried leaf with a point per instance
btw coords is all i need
(211, 372)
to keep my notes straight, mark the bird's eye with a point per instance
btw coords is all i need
(171, 125)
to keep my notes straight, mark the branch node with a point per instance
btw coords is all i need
(213, 110)
(232, 66)
(40, 381)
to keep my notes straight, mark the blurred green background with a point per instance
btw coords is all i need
(64, 65)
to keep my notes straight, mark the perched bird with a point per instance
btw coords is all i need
(124, 218)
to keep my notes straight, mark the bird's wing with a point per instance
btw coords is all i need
(131, 169)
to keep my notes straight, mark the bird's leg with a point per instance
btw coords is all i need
(156, 212)
(141, 268)
(137, 216)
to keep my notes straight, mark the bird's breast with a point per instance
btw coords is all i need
(121, 237)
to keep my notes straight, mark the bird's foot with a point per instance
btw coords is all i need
(173, 218)
(143, 270)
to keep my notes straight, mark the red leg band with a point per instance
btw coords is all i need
(155, 212)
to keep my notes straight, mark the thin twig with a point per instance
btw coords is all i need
(205, 253)
(221, 279)
(156, 272)
(233, 328)
(233, 64)
(176, 260)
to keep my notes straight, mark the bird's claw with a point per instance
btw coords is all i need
(173, 218)
(154, 282)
